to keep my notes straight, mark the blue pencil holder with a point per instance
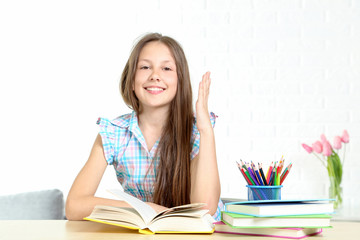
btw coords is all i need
(264, 192)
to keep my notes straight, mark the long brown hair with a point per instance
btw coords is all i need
(173, 181)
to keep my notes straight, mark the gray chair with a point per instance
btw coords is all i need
(39, 205)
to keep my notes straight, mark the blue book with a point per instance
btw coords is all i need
(269, 208)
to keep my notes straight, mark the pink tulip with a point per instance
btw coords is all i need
(307, 148)
(317, 147)
(337, 142)
(323, 138)
(327, 150)
(345, 137)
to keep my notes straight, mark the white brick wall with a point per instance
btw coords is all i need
(284, 72)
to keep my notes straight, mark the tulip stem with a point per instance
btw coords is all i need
(335, 180)
(344, 155)
(321, 160)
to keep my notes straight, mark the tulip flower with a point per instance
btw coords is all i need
(330, 159)
(307, 148)
(317, 147)
(337, 142)
(323, 138)
(327, 149)
(345, 137)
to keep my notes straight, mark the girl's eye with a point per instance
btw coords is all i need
(144, 67)
(167, 69)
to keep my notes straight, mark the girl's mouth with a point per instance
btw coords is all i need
(154, 90)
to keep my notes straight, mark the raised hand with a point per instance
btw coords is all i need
(202, 113)
(205, 181)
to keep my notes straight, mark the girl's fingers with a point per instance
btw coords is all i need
(207, 84)
(204, 87)
(201, 92)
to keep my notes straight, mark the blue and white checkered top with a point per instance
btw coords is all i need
(125, 148)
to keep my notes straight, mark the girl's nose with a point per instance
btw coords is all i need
(155, 76)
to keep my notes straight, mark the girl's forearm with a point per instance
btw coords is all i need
(80, 207)
(205, 177)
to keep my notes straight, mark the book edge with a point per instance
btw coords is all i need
(328, 215)
(145, 230)
(272, 226)
(280, 201)
(277, 236)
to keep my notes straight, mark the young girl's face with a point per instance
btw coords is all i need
(156, 77)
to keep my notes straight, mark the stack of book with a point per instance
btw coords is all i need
(277, 218)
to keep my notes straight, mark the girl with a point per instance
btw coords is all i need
(161, 153)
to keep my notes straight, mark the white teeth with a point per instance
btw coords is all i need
(155, 89)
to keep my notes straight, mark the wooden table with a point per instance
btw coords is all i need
(62, 229)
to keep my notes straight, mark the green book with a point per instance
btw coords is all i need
(292, 221)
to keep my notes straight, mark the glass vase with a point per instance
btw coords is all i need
(335, 192)
(334, 168)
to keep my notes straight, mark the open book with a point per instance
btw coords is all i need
(188, 218)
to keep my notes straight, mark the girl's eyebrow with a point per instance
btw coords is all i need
(149, 61)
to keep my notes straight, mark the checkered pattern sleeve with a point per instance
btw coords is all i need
(220, 208)
(107, 133)
(195, 138)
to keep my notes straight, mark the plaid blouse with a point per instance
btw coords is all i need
(125, 148)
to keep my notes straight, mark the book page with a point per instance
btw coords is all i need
(191, 206)
(146, 212)
(191, 213)
(200, 223)
(187, 207)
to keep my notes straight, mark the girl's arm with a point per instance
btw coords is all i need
(81, 199)
(205, 181)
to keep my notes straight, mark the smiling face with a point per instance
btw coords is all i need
(156, 78)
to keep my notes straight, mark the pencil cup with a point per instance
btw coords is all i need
(264, 192)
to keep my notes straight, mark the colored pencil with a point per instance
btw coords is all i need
(278, 171)
(262, 174)
(268, 174)
(254, 169)
(287, 173)
(244, 175)
(282, 175)
(273, 175)
(248, 175)
(242, 164)
(258, 176)
(243, 170)
(282, 165)
(246, 178)
(251, 174)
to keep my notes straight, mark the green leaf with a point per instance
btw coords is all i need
(335, 168)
